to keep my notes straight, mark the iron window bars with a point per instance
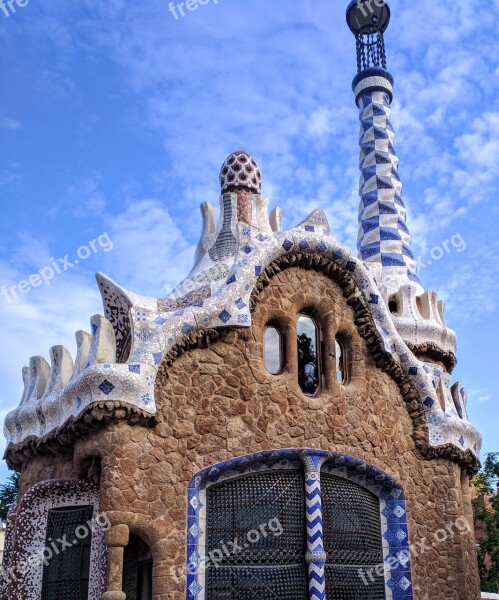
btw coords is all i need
(66, 574)
(274, 566)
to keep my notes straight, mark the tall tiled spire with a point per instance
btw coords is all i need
(383, 234)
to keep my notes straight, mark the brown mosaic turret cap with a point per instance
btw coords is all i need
(240, 171)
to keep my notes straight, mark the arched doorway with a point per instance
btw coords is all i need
(137, 569)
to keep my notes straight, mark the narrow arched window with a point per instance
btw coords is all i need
(272, 350)
(309, 367)
(340, 358)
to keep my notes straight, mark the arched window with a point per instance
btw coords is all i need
(272, 350)
(309, 360)
(341, 361)
(276, 524)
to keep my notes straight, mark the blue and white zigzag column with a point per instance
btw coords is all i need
(383, 234)
(315, 555)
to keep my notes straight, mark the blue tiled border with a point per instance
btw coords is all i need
(396, 553)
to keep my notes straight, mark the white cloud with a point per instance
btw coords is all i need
(9, 173)
(481, 395)
(150, 253)
(86, 196)
(9, 123)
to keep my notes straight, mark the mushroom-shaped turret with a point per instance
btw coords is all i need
(240, 171)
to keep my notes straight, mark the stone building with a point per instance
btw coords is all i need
(282, 425)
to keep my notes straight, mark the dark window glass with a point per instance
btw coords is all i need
(272, 350)
(264, 514)
(352, 540)
(393, 305)
(308, 357)
(66, 575)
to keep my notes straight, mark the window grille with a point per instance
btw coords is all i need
(67, 573)
(266, 565)
(270, 566)
(352, 540)
(288, 582)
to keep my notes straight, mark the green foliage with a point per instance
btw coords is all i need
(486, 515)
(8, 494)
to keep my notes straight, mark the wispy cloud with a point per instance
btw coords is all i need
(482, 395)
(150, 254)
(9, 123)
(85, 196)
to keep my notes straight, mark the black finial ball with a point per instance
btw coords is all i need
(368, 16)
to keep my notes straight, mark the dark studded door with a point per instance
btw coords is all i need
(256, 538)
(352, 540)
(67, 573)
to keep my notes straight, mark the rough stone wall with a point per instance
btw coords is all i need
(44, 467)
(219, 402)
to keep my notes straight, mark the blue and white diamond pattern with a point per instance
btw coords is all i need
(315, 545)
(106, 387)
(403, 558)
(383, 233)
(400, 584)
(195, 588)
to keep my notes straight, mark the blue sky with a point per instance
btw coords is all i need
(115, 119)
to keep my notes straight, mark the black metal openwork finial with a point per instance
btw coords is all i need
(368, 20)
